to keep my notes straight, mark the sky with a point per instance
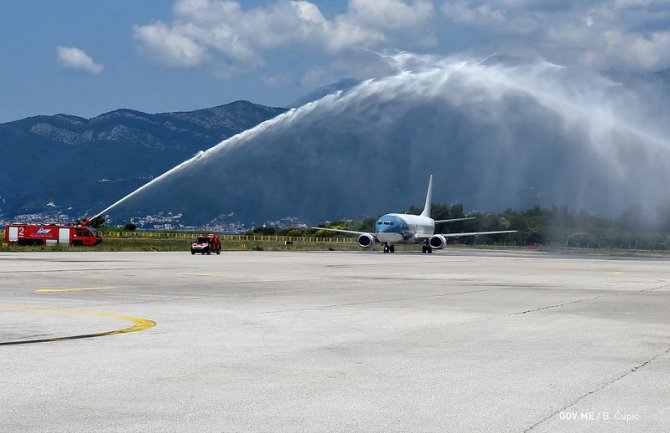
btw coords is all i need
(86, 58)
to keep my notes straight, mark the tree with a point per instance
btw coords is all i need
(97, 222)
(265, 231)
(579, 240)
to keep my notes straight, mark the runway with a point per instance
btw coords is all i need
(458, 341)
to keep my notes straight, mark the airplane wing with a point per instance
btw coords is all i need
(458, 235)
(454, 220)
(351, 232)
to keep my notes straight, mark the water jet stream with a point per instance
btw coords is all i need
(496, 135)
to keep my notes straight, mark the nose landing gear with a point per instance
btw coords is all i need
(388, 248)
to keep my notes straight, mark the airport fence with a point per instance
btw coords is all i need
(225, 237)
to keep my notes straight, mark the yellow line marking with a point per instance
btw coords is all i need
(74, 289)
(139, 324)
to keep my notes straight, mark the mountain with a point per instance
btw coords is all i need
(74, 166)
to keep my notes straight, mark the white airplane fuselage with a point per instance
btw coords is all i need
(396, 228)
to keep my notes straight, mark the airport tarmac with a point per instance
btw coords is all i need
(457, 341)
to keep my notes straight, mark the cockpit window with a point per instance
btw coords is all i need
(386, 223)
(379, 223)
(392, 223)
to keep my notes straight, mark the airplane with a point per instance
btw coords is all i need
(394, 228)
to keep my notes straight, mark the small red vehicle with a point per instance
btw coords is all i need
(206, 244)
(51, 234)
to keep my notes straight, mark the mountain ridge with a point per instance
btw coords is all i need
(50, 160)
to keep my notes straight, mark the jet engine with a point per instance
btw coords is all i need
(366, 240)
(437, 241)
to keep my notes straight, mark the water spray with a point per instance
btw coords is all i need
(597, 119)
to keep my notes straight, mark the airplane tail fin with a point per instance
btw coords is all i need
(429, 198)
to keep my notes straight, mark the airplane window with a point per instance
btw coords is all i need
(392, 223)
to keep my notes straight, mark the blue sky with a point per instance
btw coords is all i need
(85, 58)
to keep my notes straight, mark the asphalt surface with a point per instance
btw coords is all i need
(455, 341)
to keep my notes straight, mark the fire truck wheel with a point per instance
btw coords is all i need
(218, 251)
(77, 244)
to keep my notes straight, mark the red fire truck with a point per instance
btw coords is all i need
(51, 234)
(206, 244)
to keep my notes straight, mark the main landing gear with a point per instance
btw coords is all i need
(426, 249)
(388, 248)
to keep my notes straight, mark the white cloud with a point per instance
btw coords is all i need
(224, 28)
(309, 12)
(390, 14)
(77, 59)
(636, 51)
(602, 34)
(465, 12)
(169, 47)
(230, 38)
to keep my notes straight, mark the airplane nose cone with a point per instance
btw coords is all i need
(389, 231)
